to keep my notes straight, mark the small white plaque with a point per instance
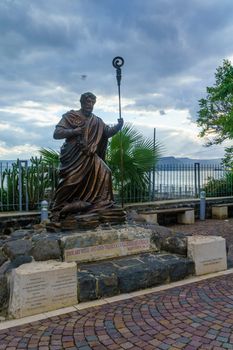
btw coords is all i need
(208, 253)
(42, 286)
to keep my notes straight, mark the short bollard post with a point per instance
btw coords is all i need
(202, 205)
(44, 211)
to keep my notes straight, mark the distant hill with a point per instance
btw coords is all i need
(162, 161)
(180, 161)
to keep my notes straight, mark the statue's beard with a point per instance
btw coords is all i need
(87, 113)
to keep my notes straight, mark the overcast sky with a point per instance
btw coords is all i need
(54, 50)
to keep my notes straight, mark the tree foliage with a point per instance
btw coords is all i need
(215, 116)
(227, 161)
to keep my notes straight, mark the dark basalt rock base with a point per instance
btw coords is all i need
(128, 274)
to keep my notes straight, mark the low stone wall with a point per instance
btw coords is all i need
(29, 245)
(10, 222)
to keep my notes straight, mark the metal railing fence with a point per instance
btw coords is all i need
(24, 184)
(177, 181)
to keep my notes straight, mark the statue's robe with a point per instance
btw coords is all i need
(84, 175)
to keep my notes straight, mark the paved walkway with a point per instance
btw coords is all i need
(192, 316)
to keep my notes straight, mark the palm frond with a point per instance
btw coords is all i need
(50, 156)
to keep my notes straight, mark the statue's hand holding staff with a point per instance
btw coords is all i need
(120, 122)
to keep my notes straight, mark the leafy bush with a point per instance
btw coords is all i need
(220, 187)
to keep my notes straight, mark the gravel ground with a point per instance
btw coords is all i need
(210, 227)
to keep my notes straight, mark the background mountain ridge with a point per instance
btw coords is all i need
(185, 160)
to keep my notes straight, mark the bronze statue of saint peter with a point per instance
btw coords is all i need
(85, 179)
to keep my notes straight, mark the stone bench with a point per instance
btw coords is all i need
(185, 215)
(220, 211)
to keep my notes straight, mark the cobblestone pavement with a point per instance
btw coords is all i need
(193, 316)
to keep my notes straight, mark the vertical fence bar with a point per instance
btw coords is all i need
(149, 186)
(21, 182)
(7, 181)
(43, 180)
(181, 180)
(13, 188)
(1, 176)
(197, 178)
(26, 185)
(190, 178)
(37, 174)
(20, 186)
(153, 175)
(187, 182)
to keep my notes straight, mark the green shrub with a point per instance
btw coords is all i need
(220, 187)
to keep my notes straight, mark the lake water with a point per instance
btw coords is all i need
(183, 182)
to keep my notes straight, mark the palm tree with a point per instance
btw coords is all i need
(131, 157)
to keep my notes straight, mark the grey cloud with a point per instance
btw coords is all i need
(46, 44)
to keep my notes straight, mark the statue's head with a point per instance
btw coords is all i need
(87, 101)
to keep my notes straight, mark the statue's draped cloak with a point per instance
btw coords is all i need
(84, 176)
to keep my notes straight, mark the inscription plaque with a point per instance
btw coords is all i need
(107, 243)
(42, 286)
(208, 253)
(110, 250)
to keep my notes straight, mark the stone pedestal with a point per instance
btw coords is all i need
(107, 243)
(219, 212)
(208, 253)
(188, 217)
(42, 286)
